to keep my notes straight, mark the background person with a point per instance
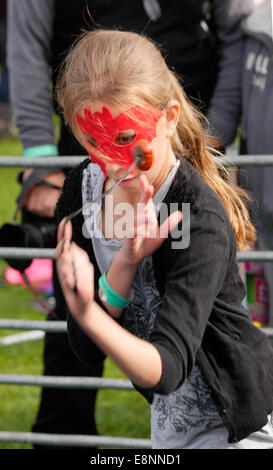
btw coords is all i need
(254, 115)
(4, 87)
(256, 136)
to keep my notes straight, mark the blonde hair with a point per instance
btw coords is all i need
(127, 69)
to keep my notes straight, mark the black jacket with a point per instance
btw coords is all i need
(201, 318)
(189, 47)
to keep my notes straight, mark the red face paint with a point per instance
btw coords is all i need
(105, 131)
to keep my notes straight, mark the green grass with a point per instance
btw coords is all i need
(118, 413)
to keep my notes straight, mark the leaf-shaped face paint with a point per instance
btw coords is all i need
(102, 131)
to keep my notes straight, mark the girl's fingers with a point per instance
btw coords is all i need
(146, 189)
(64, 255)
(146, 225)
(66, 270)
(76, 271)
(64, 236)
(60, 232)
(68, 231)
(64, 230)
(62, 246)
(146, 218)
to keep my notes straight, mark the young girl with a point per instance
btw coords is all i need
(168, 313)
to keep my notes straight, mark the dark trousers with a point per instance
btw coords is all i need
(65, 411)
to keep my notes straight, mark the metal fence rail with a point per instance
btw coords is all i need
(60, 327)
(72, 440)
(27, 253)
(70, 161)
(66, 382)
(41, 162)
(50, 326)
(50, 253)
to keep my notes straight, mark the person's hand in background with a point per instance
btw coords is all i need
(42, 200)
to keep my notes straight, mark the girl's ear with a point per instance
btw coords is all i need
(171, 113)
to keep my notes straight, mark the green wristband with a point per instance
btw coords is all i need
(110, 296)
(41, 151)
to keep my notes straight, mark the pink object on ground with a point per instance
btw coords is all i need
(40, 270)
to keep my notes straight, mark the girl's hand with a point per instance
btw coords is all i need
(147, 236)
(75, 272)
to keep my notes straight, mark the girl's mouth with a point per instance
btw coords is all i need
(127, 181)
